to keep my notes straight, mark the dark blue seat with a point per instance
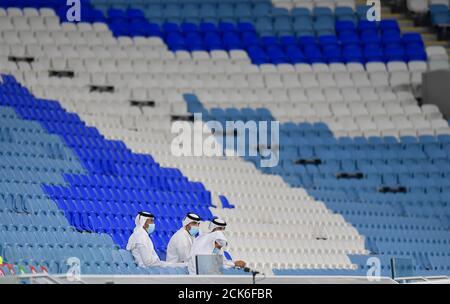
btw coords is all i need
(352, 53)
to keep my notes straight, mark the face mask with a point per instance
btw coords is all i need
(216, 251)
(151, 228)
(194, 231)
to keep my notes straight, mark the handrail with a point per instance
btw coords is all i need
(424, 279)
(51, 278)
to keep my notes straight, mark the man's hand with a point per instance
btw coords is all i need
(240, 264)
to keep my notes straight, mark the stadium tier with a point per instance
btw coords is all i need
(86, 111)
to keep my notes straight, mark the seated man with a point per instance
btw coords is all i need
(212, 243)
(180, 245)
(217, 224)
(141, 246)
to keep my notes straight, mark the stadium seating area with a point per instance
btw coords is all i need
(269, 34)
(363, 168)
(34, 229)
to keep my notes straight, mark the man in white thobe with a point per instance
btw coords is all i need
(212, 243)
(180, 245)
(141, 246)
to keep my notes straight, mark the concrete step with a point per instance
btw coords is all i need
(435, 42)
(419, 29)
(393, 16)
(385, 10)
(429, 37)
(404, 21)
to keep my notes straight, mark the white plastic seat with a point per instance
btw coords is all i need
(290, 80)
(320, 67)
(280, 95)
(406, 97)
(308, 80)
(52, 23)
(404, 126)
(37, 23)
(417, 6)
(395, 66)
(46, 12)
(303, 67)
(108, 65)
(439, 124)
(368, 94)
(5, 23)
(14, 11)
(337, 67)
(297, 95)
(358, 109)
(286, 68)
(58, 64)
(268, 69)
(304, 111)
(343, 80)
(27, 37)
(376, 109)
(355, 67)
(379, 79)
(431, 111)
(360, 79)
(376, 67)
(350, 94)
(273, 81)
(200, 56)
(399, 78)
(436, 52)
(394, 109)
(315, 95)
(85, 27)
(340, 109)
(239, 81)
(219, 55)
(434, 65)
(411, 110)
(386, 126)
(387, 97)
(92, 65)
(100, 27)
(417, 66)
(349, 126)
(54, 37)
(423, 127)
(326, 80)
(368, 127)
(322, 109)
(238, 55)
(333, 95)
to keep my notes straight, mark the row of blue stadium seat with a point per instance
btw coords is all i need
(224, 10)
